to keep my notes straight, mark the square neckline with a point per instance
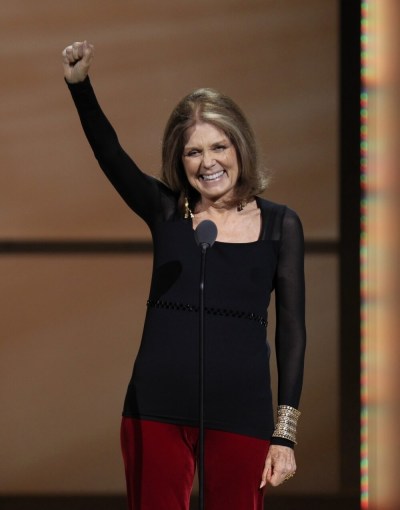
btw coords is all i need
(260, 235)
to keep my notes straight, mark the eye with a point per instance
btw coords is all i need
(192, 153)
(219, 148)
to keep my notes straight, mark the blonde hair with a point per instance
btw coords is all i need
(208, 105)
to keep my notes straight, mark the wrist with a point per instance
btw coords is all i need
(286, 425)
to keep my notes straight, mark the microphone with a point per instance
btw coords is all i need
(206, 234)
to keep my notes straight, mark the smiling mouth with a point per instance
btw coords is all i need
(212, 177)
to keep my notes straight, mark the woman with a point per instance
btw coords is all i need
(209, 171)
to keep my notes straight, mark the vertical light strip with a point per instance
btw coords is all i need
(379, 256)
(364, 153)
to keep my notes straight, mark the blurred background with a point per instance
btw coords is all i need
(75, 262)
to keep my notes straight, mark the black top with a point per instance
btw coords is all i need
(239, 280)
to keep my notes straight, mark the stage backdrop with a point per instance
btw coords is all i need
(71, 323)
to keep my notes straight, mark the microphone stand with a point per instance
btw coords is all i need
(205, 235)
(204, 247)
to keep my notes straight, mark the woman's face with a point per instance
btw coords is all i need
(210, 161)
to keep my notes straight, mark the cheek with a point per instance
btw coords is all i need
(232, 159)
(233, 164)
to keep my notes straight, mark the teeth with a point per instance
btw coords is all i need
(212, 177)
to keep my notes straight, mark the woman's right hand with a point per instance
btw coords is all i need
(77, 59)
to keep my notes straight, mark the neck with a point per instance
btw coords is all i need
(214, 207)
(218, 207)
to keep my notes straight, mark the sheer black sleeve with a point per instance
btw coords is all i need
(290, 314)
(144, 194)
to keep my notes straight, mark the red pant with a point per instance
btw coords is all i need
(160, 462)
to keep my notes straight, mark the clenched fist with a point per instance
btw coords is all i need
(77, 59)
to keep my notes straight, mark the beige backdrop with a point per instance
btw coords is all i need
(70, 325)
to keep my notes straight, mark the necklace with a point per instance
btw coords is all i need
(189, 213)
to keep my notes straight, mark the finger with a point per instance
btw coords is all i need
(279, 471)
(87, 53)
(283, 476)
(76, 50)
(279, 476)
(69, 55)
(266, 473)
(66, 55)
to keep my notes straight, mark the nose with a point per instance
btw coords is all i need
(208, 160)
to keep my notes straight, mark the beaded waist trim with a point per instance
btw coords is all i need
(221, 312)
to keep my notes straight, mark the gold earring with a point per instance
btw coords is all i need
(188, 212)
(241, 205)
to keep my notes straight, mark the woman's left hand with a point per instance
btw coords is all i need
(280, 465)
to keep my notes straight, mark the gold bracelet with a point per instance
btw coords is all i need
(286, 425)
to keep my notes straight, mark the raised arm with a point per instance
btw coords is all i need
(141, 192)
